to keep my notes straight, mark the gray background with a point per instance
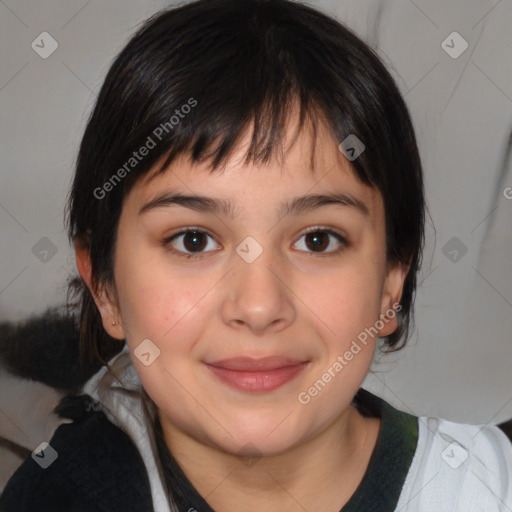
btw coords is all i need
(458, 362)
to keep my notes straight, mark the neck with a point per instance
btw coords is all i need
(334, 462)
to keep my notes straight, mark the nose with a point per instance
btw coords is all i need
(258, 296)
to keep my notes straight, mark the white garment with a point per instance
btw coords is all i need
(456, 467)
(122, 403)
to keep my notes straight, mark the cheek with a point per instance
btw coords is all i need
(157, 301)
(346, 306)
(346, 301)
(151, 299)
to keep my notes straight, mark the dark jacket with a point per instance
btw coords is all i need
(98, 469)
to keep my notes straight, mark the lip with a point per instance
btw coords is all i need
(257, 375)
(253, 364)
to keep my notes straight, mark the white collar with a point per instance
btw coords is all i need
(121, 400)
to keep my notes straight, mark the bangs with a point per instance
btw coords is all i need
(269, 127)
(251, 74)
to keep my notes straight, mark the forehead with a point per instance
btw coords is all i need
(306, 162)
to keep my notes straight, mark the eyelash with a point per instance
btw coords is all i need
(316, 229)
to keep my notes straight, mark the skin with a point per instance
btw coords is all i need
(293, 300)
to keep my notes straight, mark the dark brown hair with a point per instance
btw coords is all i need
(239, 63)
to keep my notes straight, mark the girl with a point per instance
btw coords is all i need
(247, 213)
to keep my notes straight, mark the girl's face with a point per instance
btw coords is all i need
(258, 286)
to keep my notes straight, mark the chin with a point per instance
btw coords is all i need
(264, 439)
(254, 448)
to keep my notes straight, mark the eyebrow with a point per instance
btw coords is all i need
(294, 206)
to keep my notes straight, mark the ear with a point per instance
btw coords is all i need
(391, 295)
(108, 308)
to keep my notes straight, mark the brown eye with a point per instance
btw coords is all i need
(189, 243)
(318, 240)
(194, 241)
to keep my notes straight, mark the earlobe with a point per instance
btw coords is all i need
(108, 309)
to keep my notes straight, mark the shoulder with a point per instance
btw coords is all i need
(459, 467)
(88, 465)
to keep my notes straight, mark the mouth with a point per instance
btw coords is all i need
(257, 375)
